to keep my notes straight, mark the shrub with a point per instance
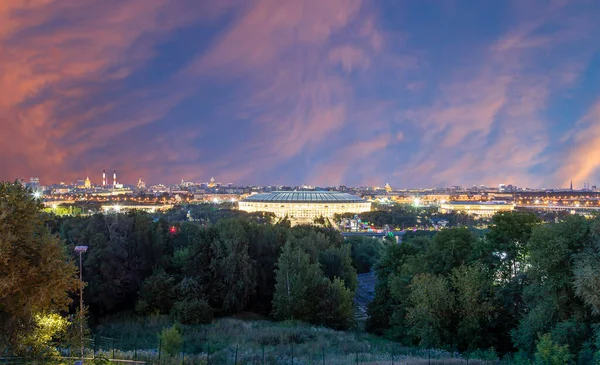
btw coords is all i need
(192, 311)
(551, 353)
(171, 340)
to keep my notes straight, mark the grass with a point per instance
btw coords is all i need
(228, 339)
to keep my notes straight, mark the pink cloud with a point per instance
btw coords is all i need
(332, 172)
(583, 158)
(64, 64)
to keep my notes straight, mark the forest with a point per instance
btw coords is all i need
(525, 290)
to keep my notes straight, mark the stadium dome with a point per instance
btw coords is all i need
(304, 206)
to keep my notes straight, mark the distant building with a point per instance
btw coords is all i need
(34, 183)
(304, 206)
(485, 209)
(87, 183)
(212, 183)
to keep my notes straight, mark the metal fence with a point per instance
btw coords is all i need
(100, 350)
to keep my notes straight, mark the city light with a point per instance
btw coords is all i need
(117, 208)
(37, 194)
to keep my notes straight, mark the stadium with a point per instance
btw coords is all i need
(304, 206)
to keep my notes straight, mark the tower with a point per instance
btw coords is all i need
(571, 188)
(114, 179)
(103, 178)
(87, 184)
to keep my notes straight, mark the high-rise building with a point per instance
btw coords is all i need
(87, 183)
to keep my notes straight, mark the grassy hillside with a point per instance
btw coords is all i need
(279, 341)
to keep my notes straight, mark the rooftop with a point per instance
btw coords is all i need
(305, 197)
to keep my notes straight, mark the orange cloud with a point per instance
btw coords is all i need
(583, 158)
(57, 54)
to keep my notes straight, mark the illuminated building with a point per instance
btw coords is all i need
(141, 184)
(304, 206)
(212, 183)
(388, 188)
(87, 184)
(484, 209)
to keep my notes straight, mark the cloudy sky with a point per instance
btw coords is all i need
(323, 92)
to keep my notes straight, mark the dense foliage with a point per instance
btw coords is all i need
(524, 286)
(528, 287)
(212, 266)
(35, 274)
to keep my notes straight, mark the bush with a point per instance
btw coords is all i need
(551, 353)
(171, 340)
(192, 311)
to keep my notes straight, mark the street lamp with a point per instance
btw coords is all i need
(80, 250)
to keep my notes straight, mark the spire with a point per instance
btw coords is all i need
(571, 188)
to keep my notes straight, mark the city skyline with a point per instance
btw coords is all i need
(325, 93)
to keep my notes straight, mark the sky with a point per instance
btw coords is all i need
(423, 93)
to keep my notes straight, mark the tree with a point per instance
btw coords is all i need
(297, 280)
(335, 305)
(232, 266)
(431, 310)
(587, 277)
(36, 275)
(507, 241)
(551, 353)
(156, 294)
(449, 249)
(475, 306)
(365, 252)
(171, 339)
(336, 262)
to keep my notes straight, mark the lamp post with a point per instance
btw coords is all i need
(80, 250)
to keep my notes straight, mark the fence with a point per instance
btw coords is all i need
(100, 350)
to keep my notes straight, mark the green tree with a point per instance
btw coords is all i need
(431, 310)
(156, 293)
(337, 262)
(475, 306)
(36, 274)
(551, 353)
(449, 249)
(297, 280)
(507, 241)
(335, 305)
(232, 266)
(587, 276)
(171, 339)
(365, 252)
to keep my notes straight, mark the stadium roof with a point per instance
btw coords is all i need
(304, 197)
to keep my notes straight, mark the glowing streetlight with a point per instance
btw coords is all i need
(37, 194)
